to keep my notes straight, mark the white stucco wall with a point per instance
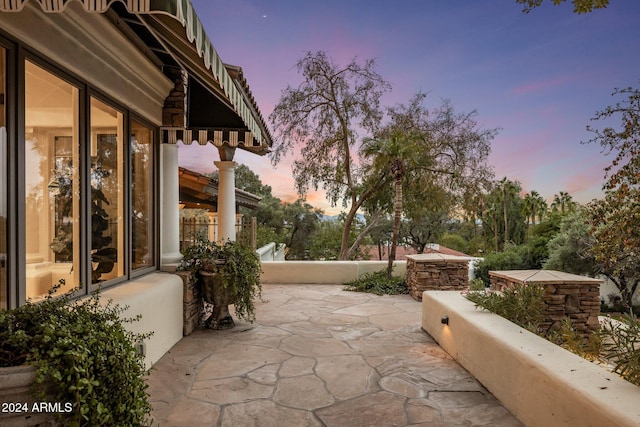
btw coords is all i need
(540, 383)
(310, 272)
(158, 298)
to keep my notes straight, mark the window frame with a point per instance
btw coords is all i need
(155, 176)
(10, 95)
(16, 57)
(98, 96)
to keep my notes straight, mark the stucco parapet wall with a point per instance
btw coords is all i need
(540, 383)
(321, 272)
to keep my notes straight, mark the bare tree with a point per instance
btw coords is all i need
(321, 118)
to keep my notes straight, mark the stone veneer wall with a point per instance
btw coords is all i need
(173, 111)
(192, 303)
(579, 302)
(436, 275)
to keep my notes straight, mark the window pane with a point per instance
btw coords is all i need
(3, 182)
(142, 214)
(52, 187)
(107, 192)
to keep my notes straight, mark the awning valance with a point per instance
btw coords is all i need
(181, 11)
(218, 138)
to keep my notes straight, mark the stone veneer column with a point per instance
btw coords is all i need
(226, 200)
(436, 272)
(566, 296)
(170, 254)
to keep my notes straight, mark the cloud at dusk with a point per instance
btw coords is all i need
(538, 86)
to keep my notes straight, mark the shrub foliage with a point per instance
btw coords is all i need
(617, 342)
(83, 355)
(378, 283)
(522, 305)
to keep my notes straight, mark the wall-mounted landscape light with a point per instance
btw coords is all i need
(444, 320)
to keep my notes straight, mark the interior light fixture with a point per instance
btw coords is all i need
(444, 320)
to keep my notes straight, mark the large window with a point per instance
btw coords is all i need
(52, 181)
(3, 181)
(142, 219)
(89, 208)
(107, 192)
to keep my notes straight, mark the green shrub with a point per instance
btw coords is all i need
(510, 259)
(378, 283)
(82, 354)
(454, 241)
(569, 338)
(621, 346)
(530, 256)
(241, 268)
(476, 285)
(522, 305)
(616, 342)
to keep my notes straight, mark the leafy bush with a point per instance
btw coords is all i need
(522, 305)
(616, 342)
(476, 285)
(530, 256)
(621, 346)
(241, 268)
(510, 259)
(82, 354)
(454, 241)
(378, 283)
(569, 338)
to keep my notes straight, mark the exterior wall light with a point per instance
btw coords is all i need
(444, 320)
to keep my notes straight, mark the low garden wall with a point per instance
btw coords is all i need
(321, 272)
(541, 383)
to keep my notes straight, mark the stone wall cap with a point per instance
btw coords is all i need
(545, 276)
(438, 258)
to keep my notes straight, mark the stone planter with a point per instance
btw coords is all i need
(220, 296)
(16, 400)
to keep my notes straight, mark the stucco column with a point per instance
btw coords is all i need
(226, 200)
(170, 211)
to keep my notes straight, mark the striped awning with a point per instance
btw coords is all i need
(218, 138)
(183, 12)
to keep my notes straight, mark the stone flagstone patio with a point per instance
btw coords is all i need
(320, 356)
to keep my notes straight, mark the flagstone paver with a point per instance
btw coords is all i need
(320, 356)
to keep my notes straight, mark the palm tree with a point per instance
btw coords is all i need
(563, 202)
(390, 157)
(509, 192)
(492, 213)
(528, 208)
(534, 205)
(540, 208)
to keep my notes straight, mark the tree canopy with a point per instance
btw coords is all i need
(579, 6)
(321, 119)
(615, 220)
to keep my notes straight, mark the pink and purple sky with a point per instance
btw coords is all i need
(539, 76)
